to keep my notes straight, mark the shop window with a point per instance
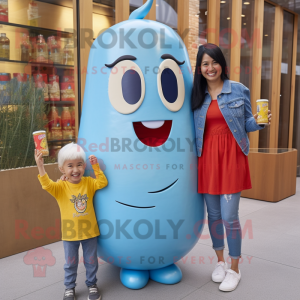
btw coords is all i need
(134, 4)
(202, 22)
(37, 90)
(267, 66)
(225, 29)
(103, 15)
(248, 35)
(296, 132)
(286, 74)
(166, 12)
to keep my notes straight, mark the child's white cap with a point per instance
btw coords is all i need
(69, 152)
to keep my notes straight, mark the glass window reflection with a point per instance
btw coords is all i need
(225, 29)
(267, 66)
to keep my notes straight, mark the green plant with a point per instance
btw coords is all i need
(18, 119)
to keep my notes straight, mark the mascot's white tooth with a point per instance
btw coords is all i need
(153, 124)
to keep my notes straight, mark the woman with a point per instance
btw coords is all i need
(223, 116)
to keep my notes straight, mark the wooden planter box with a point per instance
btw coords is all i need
(30, 217)
(273, 174)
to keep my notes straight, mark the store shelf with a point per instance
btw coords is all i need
(60, 103)
(38, 64)
(38, 30)
(66, 3)
(61, 141)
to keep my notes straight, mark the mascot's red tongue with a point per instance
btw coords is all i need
(152, 137)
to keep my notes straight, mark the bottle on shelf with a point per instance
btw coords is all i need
(54, 90)
(41, 49)
(4, 47)
(49, 43)
(66, 123)
(68, 53)
(4, 10)
(73, 121)
(66, 118)
(56, 54)
(54, 50)
(26, 49)
(54, 124)
(33, 48)
(33, 13)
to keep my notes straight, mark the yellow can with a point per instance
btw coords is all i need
(262, 111)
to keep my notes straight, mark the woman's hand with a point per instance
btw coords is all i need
(269, 117)
(93, 159)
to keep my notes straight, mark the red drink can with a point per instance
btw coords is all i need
(40, 141)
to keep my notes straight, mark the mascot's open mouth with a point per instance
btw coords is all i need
(153, 133)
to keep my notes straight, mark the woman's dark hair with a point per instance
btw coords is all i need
(200, 83)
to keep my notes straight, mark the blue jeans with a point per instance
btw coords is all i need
(90, 258)
(224, 210)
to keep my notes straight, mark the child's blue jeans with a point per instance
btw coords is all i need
(90, 258)
(224, 210)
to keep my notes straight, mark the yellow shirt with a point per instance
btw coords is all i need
(78, 219)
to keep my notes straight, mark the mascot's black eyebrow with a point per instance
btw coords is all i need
(124, 57)
(169, 56)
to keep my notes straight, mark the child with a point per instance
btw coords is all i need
(78, 220)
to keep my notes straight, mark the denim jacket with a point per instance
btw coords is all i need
(235, 106)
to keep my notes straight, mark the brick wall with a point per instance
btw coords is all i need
(194, 31)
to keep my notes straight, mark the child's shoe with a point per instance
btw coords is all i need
(94, 293)
(69, 294)
(219, 272)
(231, 281)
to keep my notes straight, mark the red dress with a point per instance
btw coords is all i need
(223, 168)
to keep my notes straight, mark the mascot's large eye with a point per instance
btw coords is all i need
(170, 85)
(126, 87)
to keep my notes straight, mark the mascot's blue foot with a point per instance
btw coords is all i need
(168, 275)
(134, 279)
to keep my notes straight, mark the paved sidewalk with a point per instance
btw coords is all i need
(270, 267)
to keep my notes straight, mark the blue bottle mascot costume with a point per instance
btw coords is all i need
(137, 119)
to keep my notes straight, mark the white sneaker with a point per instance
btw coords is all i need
(219, 272)
(231, 281)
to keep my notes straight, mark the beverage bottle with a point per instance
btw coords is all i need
(41, 49)
(53, 120)
(56, 54)
(33, 13)
(73, 118)
(49, 43)
(68, 53)
(54, 50)
(73, 121)
(4, 46)
(26, 49)
(33, 48)
(66, 118)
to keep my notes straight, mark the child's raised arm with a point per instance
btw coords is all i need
(100, 182)
(38, 155)
(51, 187)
